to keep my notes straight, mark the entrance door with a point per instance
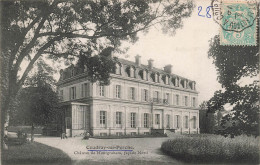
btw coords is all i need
(68, 126)
(157, 121)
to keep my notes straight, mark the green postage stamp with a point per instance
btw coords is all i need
(237, 20)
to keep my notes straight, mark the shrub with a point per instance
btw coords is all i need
(213, 148)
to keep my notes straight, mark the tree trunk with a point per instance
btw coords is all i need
(4, 124)
(32, 133)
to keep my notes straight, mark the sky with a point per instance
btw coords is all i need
(186, 50)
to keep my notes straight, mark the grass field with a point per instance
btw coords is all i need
(34, 153)
(213, 148)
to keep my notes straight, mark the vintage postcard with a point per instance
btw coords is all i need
(129, 82)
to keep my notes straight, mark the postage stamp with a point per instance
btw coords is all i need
(237, 20)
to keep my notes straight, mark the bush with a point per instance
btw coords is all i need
(213, 148)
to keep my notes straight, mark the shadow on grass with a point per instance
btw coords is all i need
(34, 153)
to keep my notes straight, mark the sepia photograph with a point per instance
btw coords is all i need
(131, 82)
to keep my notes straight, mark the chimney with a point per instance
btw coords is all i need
(168, 68)
(150, 63)
(138, 60)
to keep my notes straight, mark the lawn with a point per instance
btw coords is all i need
(34, 153)
(213, 149)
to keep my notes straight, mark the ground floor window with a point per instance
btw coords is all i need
(133, 120)
(102, 118)
(177, 121)
(118, 119)
(194, 122)
(186, 122)
(167, 121)
(146, 120)
(146, 133)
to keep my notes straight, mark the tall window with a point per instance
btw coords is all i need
(177, 121)
(186, 100)
(61, 95)
(118, 119)
(157, 118)
(133, 120)
(146, 120)
(132, 93)
(103, 118)
(193, 102)
(167, 98)
(166, 79)
(118, 91)
(144, 74)
(156, 94)
(177, 100)
(194, 122)
(186, 122)
(132, 72)
(156, 77)
(167, 121)
(84, 90)
(118, 69)
(145, 95)
(73, 93)
(101, 90)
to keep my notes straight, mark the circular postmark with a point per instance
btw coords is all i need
(234, 15)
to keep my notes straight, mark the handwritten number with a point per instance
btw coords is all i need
(207, 10)
(200, 8)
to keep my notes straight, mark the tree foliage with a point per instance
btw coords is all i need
(37, 103)
(233, 63)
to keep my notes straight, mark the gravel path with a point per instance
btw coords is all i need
(143, 150)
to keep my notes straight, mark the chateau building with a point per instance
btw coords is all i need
(139, 100)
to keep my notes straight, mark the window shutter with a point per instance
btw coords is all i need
(108, 118)
(114, 91)
(98, 119)
(142, 120)
(123, 120)
(114, 119)
(129, 93)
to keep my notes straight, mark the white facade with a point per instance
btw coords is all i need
(138, 100)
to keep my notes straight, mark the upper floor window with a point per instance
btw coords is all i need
(167, 98)
(146, 120)
(145, 95)
(156, 96)
(118, 91)
(102, 118)
(73, 93)
(193, 102)
(186, 100)
(132, 93)
(132, 72)
(101, 91)
(177, 100)
(84, 90)
(133, 120)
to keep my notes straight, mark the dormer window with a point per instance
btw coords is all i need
(145, 75)
(118, 68)
(156, 77)
(130, 71)
(166, 79)
(72, 72)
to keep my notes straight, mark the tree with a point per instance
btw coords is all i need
(38, 101)
(59, 29)
(233, 63)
